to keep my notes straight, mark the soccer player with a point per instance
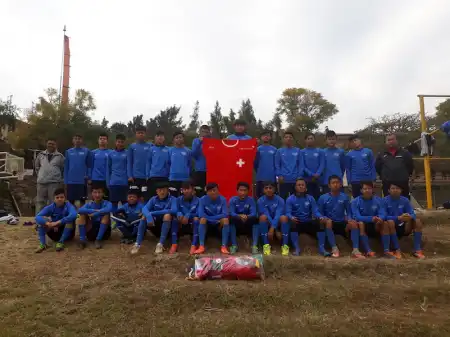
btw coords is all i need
(180, 163)
(401, 220)
(334, 161)
(360, 165)
(240, 133)
(199, 175)
(271, 213)
(116, 173)
(94, 221)
(98, 164)
(213, 211)
(138, 153)
(368, 210)
(129, 216)
(76, 170)
(264, 163)
(187, 207)
(287, 165)
(243, 217)
(56, 220)
(159, 213)
(335, 207)
(312, 162)
(446, 128)
(158, 164)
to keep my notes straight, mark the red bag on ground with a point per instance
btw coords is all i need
(243, 267)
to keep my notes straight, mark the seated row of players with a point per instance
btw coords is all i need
(367, 215)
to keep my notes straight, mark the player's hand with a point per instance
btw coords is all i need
(281, 179)
(406, 217)
(130, 180)
(245, 217)
(377, 220)
(352, 222)
(323, 220)
(295, 220)
(91, 215)
(271, 232)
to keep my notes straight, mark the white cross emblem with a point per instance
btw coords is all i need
(240, 163)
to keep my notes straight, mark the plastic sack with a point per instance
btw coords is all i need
(244, 267)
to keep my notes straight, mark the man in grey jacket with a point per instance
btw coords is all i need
(49, 166)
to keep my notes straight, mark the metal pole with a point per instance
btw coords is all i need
(426, 161)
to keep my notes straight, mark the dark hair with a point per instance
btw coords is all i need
(159, 133)
(140, 128)
(353, 137)
(77, 135)
(300, 179)
(205, 127)
(210, 186)
(395, 185)
(59, 191)
(51, 139)
(268, 183)
(330, 133)
(366, 183)
(134, 191)
(334, 177)
(242, 184)
(309, 134)
(97, 188)
(120, 137)
(187, 184)
(266, 132)
(177, 133)
(162, 184)
(288, 133)
(103, 134)
(239, 122)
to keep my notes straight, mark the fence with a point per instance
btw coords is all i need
(11, 166)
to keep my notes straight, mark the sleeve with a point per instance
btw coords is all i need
(256, 161)
(371, 159)
(201, 209)
(146, 210)
(196, 148)
(148, 165)
(87, 163)
(46, 211)
(381, 209)
(66, 168)
(278, 163)
(252, 208)
(410, 210)
(385, 206)
(122, 210)
(321, 204)
(341, 162)
(108, 170)
(71, 217)
(314, 208)
(222, 215)
(232, 208)
(278, 213)
(357, 215)
(37, 163)
(91, 159)
(260, 207)
(179, 208)
(348, 208)
(106, 209)
(86, 209)
(348, 167)
(379, 163)
(173, 206)
(321, 163)
(409, 162)
(130, 162)
(303, 171)
(289, 208)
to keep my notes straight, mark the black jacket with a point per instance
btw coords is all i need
(396, 168)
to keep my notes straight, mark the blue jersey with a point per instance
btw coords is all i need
(303, 207)
(67, 213)
(287, 164)
(180, 163)
(446, 128)
(131, 212)
(334, 163)
(137, 160)
(98, 161)
(213, 210)
(365, 209)
(236, 136)
(312, 162)
(98, 209)
(272, 208)
(335, 207)
(265, 163)
(188, 208)
(116, 173)
(395, 207)
(245, 206)
(76, 165)
(158, 164)
(158, 207)
(360, 166)
(197, 154)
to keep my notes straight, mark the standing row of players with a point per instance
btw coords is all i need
(164, 214)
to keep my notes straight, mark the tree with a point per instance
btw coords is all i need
(305, 110)
(104, 123)
(275, 125)
(395, 123)
(442, 113)
(194, 124)
(135, 122)
(119, 128)
(217, 122)
(8, 117)
(229, 120)
(168, 120)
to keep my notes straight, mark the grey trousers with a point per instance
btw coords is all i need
(45, 194)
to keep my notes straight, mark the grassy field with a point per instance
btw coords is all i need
(110, 293)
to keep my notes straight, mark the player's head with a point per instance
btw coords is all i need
(205, 131)
(354, 142)
(178, 138)
(103, 140)
(120, 142)
(242, 189)
(162, 189)
(97, 193)
(269, 189)
(310, 139)
(133, 196)
(391, 141)
(367, 189)
(288, 138)
(187, 189)
(212, 190)
(300, 186)
(239, 126)
(334, 183)
(160, 137)
(59, 197)
(140, 132)
(395, 191)
(266, 136)
(77, 140)
(331, 138)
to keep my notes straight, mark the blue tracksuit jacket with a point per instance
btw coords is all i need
(265, 163)
(158, 164)
(213, 210)
(116, 174)
(180, 163)
(302, 207)
(131, 212)
(336, 208)
(67, 214)
(272, 208)
(188, 208)
(158, 207)
(312, 162)
(137, 160)
(245, 206)
(197, 154)
(76, 165)
(360, 166)
(235, 136)
(364, 210)
(287, 164)
(396, 207)
(334, 163)
(98, 163)
(98, 209)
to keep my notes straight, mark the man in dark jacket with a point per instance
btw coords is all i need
(394, 165)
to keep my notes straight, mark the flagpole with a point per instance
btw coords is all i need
(62, 67)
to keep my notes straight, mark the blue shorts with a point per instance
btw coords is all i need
(76, 192)
(339, 228)
(400, 228)
(118, 193)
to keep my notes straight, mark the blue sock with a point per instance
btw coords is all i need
(102, 231)
(417, 241)
(255, 234)
(202, 233)
(82, 230)
(294, 241)
(233, 235)
(263, 230)
(141, 231)
(41, 234)
(164, 231)
(330, 236)
(195, 233)
(321, 240)
(394, 242)
(365, 243)
(386, 240)
(66, 233)
(174, 231)
(285, 226)
(354, 236)
(225, 234)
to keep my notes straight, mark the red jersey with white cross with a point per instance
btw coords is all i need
(228, 162)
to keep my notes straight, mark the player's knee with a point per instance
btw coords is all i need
(390, 225)
(417, 225)
(196, 219)
(105, 219)
(328, 224)
(263, 218)
(167, 217)
(224, 222)
(284, 218)
(81, 220)
(203, 221)
(362, 228)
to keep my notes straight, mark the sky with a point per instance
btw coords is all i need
(368, 57)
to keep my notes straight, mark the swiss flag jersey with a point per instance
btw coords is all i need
(229, 162)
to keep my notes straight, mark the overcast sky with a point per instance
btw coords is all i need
(368, 57)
